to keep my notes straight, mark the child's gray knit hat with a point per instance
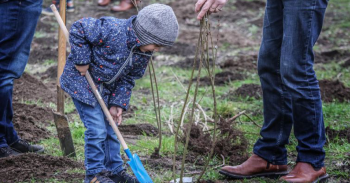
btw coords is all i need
(156, 24)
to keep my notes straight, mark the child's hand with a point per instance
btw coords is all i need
(82, 69)
(116, 113)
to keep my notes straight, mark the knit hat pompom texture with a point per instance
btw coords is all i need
(156, 24)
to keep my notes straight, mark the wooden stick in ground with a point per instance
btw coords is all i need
(61, 121)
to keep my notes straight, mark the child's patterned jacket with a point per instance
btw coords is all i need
(111, 48)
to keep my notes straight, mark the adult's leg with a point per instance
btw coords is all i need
(302, 22)
(277, 103)
(18, 20)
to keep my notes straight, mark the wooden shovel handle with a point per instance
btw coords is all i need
(92, 85)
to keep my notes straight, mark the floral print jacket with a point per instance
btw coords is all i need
(111, 48)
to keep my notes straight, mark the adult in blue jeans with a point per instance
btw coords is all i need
(18, 19)
(291, 94)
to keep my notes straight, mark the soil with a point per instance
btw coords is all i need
(179, 49)
(221, 78)
(334, 90)
(28, 88)
(346, 63)
(187, 63)
(130, 112)
(139, 129)
(249, 90)
(43, 49)
(26, 166)
(30, 121)
(331, 55)
(231, 143)
(241, 63)
(50, 73)
(337, 134)
(230, 29)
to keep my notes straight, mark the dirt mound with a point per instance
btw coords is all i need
(221, 78)
(188, 63)
(39, 114)
(184, 10)
(230, 142)
(338, 134)
(43, 49)
(241, 63)
(28, 88)
(249, 90)
(251, 5)
(346, 63)
(334, 90)
(180, 49)
(50, 73)
(130, 112)
(28, 167)
(331, 55)
(139, 129)
(30, 121)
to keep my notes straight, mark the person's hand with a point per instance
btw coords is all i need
(82, 69)
(211, 6)
(116, 113)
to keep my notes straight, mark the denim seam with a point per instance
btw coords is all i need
(305, 58)
(94, 172)
(107, 146)
(83, 119)
(282, 122)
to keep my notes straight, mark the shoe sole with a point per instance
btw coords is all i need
(71, 10)
(267, 174)
(323, 178)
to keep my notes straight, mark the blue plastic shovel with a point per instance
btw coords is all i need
(135, 162)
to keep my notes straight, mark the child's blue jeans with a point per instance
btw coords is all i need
(291, 93)
(102, 148)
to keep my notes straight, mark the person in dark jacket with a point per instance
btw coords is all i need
(18, 20)
(291, 94)
(116, 53)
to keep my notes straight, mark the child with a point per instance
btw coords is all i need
(116, 52)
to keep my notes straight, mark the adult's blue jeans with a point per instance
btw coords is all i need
(18, 19)
(291, 93)
(102, 148)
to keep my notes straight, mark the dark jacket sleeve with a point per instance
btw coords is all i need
(84, 34)
(122, 94)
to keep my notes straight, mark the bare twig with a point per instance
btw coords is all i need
(256, 124)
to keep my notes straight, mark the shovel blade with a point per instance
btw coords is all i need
(138, 169)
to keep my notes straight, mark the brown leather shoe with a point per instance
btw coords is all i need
(124, 5)
(305, 173)
(103, 2)
(254, 167)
